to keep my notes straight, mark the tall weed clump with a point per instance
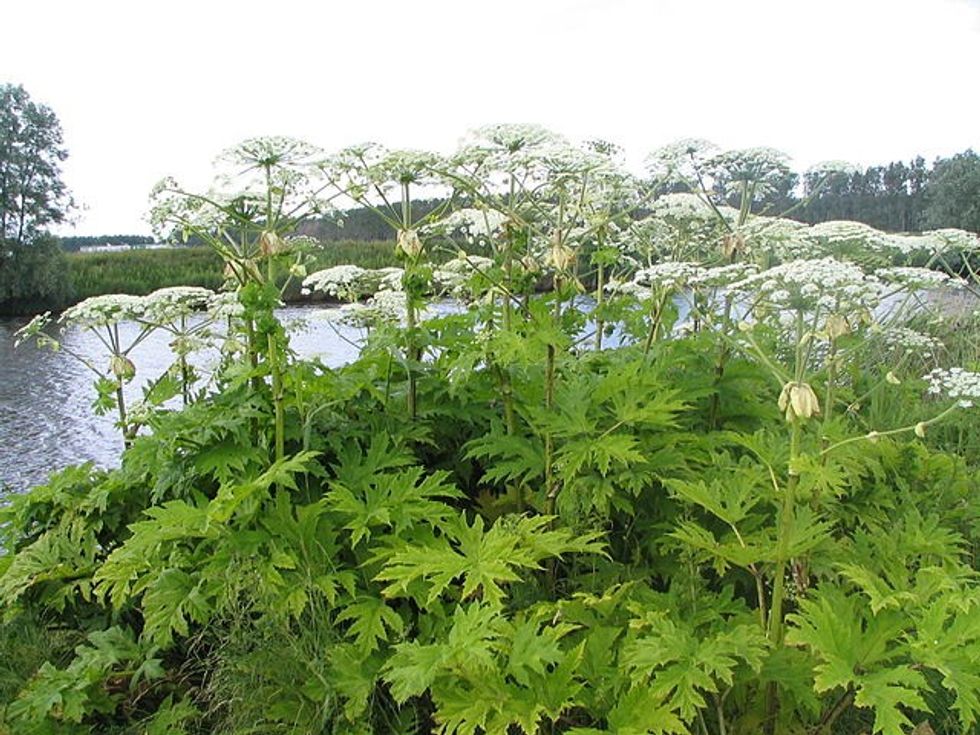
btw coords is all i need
(671, 466)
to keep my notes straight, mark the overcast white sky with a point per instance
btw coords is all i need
(145, 89)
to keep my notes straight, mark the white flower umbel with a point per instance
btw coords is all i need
(913, 279)
(385, 307)
(454, 275)
(778, 240)
(721, 276)
(831, 168)
(474, 225)
(272, 151)
(629, 288)
(225, 305)
(666, 275)
(390, 278)
(962, 386)
(758, 172)
(910, 342)
(341, 281)
(168, 304)
(954, 240)
(682, 206)
(680, 161)
(101, 311)
(842, 236)
(827, 284)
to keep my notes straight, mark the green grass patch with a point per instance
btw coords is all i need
(139, 272)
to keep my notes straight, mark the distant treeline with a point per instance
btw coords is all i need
(71, 244)
(903, 197)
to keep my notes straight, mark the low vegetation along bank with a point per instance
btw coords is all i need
(733, 491)
(140, 272)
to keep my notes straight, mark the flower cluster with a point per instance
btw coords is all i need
(780, 239)
(454, 275)
(826, 284)
(666, 275)
(955, 240)
(961, 385)
(272, 151)
(385, 307)
(225, 305)
(831, 168)
(913, 279)
(168, 304)
(722, 275)
(680, 161)
(101, 311)
(682, 206)
(839, 236)
(910, 341)
(474, 225)
(341, 281)
(761, 170)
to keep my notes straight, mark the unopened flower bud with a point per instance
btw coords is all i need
(409, 243)
(892, 378)
(732, 244)
(530, 264)
(920, 430)
(122, 367)
(798, 400)
(271, 244)
(872, 436)
(560, 256)
(297, 270)
(837, 326)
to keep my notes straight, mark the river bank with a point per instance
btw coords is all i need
(139, 272)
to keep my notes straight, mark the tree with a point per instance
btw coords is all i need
(32, 194)
(32, 197)
(953, 192)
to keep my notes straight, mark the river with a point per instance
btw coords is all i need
(46, 419)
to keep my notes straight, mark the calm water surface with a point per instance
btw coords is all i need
(46, 420)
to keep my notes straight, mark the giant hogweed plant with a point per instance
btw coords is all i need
(265, 188)
(705, 528)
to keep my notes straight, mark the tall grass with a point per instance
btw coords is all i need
(139, 272)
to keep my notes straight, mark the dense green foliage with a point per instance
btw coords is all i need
(34, 277)
(667, 508)
(953, 192)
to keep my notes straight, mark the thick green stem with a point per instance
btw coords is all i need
(277, 397)
(411, 313)
(785, 528)
(549, 402)
(599, 324)
(655, 317)
(783, 538)
(413, 356)
(121, 405)
(828, 720)
(828, 404)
